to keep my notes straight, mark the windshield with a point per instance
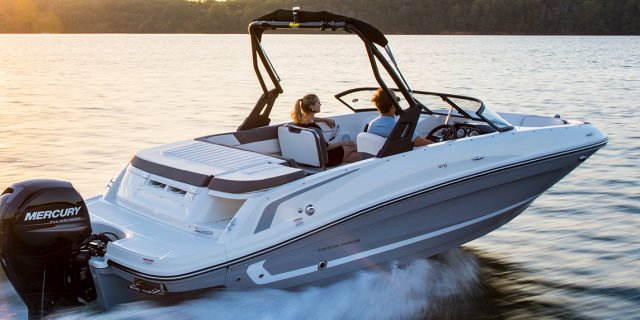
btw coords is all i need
(496, 120)
(359, 99)
(455, 106)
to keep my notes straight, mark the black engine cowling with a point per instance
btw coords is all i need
(43, 225)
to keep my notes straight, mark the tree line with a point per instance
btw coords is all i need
(573, 17)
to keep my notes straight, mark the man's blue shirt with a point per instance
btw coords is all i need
(382, 126)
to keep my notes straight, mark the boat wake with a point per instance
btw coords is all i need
(411, 291)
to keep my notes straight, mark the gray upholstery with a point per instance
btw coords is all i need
(304, 145)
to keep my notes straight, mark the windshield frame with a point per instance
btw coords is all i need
(481, 113)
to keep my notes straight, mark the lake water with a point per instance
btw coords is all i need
(77, 107)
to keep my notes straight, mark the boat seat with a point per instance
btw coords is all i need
(304, 145)
(369, 143)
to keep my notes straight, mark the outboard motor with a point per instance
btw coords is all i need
(44, 225)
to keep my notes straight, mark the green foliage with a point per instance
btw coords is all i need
(398, 16)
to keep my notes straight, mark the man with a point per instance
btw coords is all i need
(384, 123)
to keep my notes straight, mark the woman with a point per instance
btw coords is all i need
(303, 115)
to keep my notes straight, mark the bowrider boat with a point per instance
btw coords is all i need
(258, 207)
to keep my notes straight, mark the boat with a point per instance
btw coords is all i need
(258, 207)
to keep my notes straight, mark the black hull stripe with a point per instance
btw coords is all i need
(349, 217)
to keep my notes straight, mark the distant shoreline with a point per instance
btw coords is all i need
(428, 17)
(319, 33)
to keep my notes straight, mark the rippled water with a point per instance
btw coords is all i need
(77, 107)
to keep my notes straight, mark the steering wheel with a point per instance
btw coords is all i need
(442, 132)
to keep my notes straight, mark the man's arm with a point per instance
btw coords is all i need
(420, 141)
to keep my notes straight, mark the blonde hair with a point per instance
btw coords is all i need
(302, 109)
